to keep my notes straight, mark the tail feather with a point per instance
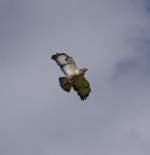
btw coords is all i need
(65, 84)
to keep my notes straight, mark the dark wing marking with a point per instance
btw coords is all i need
(82, 86)
(65, 84)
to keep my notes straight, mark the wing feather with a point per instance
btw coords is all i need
(81, 86)
(62, 59)
(66, 63)
(65, 84)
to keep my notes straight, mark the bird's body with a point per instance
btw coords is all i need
(74, 75)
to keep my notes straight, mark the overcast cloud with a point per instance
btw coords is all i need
(109, 37)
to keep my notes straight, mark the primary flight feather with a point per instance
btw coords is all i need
(74, 76)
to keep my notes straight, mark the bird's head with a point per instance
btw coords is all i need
(83, 70)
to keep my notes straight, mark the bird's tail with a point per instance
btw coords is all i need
(65, 84)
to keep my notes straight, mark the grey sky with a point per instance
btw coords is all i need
(109, 37)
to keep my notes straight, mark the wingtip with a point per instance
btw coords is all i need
(83, 98)
(54, 57)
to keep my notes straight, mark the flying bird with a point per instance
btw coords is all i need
(74, 76)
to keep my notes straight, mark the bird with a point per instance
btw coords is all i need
(74, 76)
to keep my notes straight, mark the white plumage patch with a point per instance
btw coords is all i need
(67, 64)
(61, 60)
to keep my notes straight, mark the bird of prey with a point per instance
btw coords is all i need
(74, 76)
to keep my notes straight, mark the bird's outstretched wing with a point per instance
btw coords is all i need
(65, 84)
(66, 63)
(63, 59)
(82, 86)
(79, 83)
